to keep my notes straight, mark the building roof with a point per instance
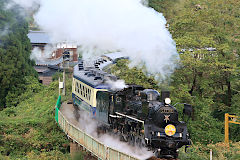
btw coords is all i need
(38, 37)
(41, 69)
(49, 61)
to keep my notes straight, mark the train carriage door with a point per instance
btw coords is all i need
(102, 109)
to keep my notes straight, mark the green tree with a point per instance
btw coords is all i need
(15, 49)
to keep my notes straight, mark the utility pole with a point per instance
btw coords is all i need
(64, 88)
(59, 88)
(64, 80)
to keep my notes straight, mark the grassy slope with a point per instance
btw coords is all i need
(29, 131)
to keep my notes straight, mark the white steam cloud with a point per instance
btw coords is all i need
(100, 26)
(42, 55)
(116, 85)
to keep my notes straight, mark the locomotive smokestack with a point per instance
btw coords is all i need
(164, 95)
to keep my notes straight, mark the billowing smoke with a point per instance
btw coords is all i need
(115, 143)
(45, 56)
(116, 85)
(37, 54)
(42, 55)
(100, 26)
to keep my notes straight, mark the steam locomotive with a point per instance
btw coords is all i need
(139, 116)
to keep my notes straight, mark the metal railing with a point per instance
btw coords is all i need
(97, 148)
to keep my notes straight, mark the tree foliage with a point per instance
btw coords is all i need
(133, 75)
(207, 37)
(15, 49)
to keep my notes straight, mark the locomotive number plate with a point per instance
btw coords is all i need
(166, 110)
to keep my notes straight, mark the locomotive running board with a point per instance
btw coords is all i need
(115, 116)
(123, 115)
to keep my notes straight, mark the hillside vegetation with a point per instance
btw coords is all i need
(29, 131)
(207, 79)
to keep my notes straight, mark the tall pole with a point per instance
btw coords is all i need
(59, 86)
(226, 129)
(64, 89)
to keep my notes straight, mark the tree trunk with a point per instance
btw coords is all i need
(194, 84)
(229, 93)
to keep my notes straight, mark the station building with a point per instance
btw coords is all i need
(41, 39)
(47, 67)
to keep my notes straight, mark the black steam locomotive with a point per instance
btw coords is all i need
(139, 116)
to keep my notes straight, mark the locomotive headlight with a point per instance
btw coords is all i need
(170, 130)
(167, 100)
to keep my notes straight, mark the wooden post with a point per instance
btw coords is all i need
(227, 129)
